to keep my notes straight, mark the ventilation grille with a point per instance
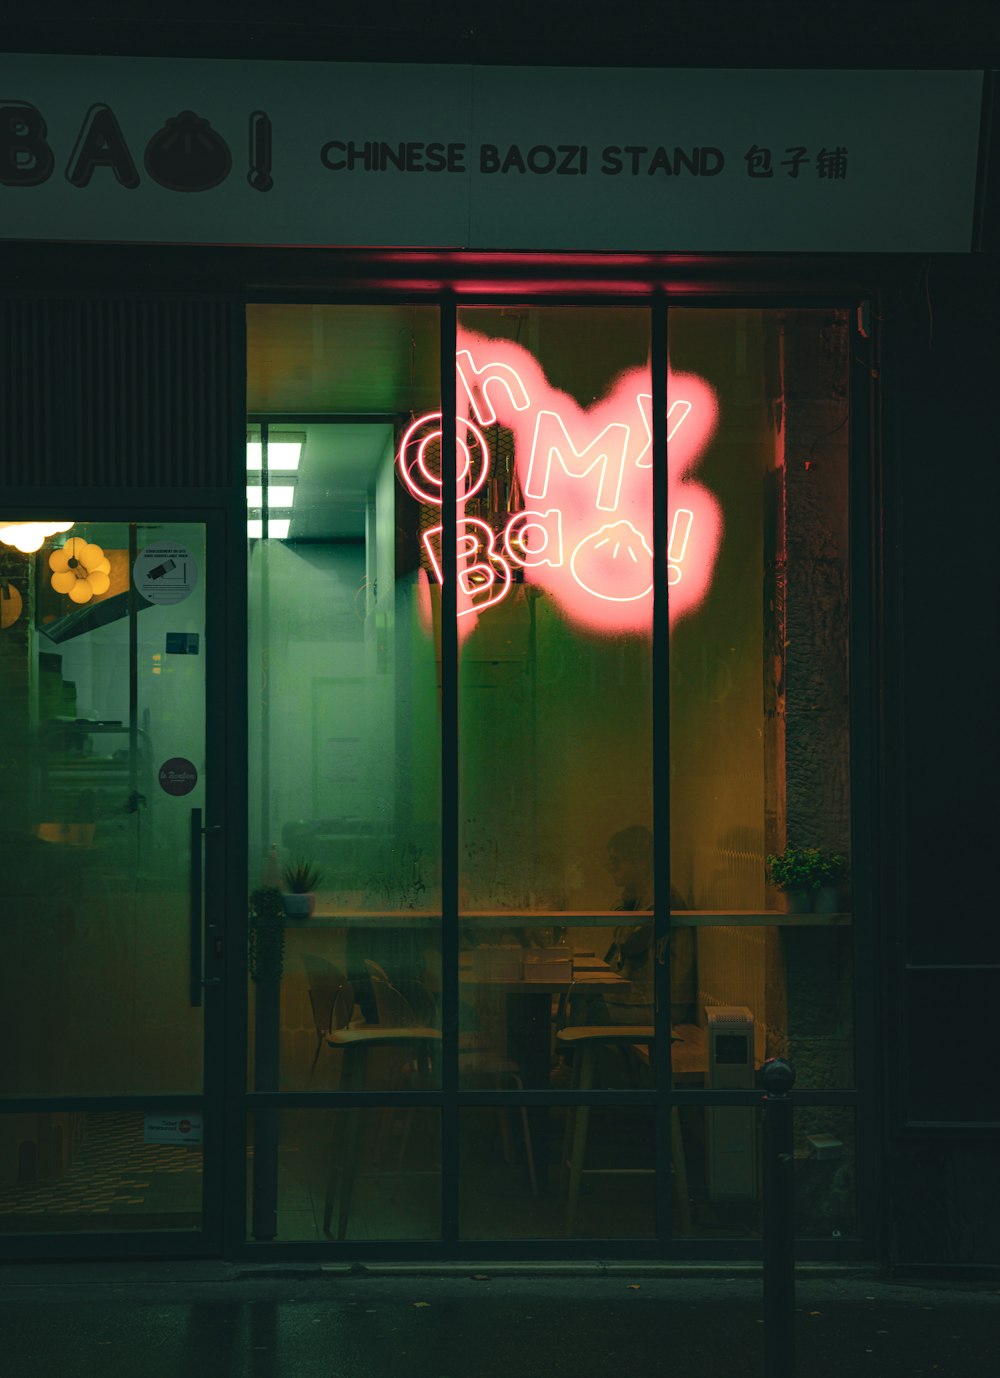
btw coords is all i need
(121, 393)
(731, 875)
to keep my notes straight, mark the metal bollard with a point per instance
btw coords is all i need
(779, 1221)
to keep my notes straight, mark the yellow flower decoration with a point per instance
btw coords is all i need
(80, 569)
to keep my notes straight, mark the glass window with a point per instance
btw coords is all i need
(555, 720)
(344, 718)
(759, 712)
(555, 847)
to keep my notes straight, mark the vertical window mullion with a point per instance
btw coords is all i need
(661, 767)
(449, 776)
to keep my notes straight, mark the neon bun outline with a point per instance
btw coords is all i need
(584, 471)
(614, 537)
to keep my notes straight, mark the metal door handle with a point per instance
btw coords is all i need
(195, 907)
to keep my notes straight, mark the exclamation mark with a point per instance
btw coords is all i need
(680, 530)
(676, 416)
(259, 177)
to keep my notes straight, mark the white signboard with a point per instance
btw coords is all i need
(205, 151)
(172, 1129)
(165, 573)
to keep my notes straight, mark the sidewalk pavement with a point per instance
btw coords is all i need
(500, 1321)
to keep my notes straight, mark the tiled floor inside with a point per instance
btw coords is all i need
(112, 1180)
(115, 1181)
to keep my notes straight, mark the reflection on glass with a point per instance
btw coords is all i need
(357, 1174)
(102, 737)
(69, 1170)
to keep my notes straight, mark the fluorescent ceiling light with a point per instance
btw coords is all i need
(277, 495)
(277, 528)
(282, 455)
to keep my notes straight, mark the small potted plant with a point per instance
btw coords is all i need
(834, 870)
(795, 872)
(301, 879)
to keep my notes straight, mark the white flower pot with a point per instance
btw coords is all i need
(299, 906)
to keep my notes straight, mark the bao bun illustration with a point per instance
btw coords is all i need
(187, 154)
(615, 563)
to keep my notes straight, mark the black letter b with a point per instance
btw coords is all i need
(25, 156)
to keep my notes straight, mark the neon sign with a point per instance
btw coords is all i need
(584, 534)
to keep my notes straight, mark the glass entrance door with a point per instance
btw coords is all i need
(108, 988)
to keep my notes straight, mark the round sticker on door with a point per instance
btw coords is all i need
(178, 776)
(165, 573)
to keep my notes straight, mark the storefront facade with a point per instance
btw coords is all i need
(671, 651)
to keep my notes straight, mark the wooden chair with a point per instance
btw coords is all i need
(586, 1040)
(325, 981)
(397, 1029)
(407, 1002)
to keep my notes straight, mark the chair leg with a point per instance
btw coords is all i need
(682, 1201)
(529, 1152)
(397, 1074)
(418, 1069)
(355, 1061)
(581, 1120)
(574, 1083)
(503, 1124)
(333, 1176)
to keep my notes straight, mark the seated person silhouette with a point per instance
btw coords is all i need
(630, 862)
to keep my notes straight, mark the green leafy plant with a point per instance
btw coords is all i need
(806, 868)
(266, 935)
(834, 868)
(301, 878)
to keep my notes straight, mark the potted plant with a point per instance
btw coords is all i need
(833, 872)
(809, 878)
(301, 879)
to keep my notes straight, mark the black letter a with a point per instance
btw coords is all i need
(101, 144)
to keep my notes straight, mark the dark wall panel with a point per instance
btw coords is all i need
(112, 392)
(939, 935)
(943, 615)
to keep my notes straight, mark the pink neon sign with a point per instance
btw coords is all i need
(585, 531)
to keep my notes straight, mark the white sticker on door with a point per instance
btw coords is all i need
(171, 1129)
(165, 573)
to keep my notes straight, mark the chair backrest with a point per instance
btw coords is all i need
(343, 1007)
(398, 1008)
(326, 981)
